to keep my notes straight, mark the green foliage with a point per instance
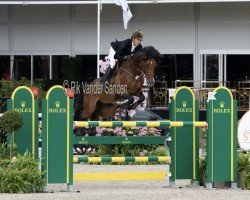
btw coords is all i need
(202, 166)
(11, 121)
(203, 139)
(244, 167)
(202, 169)
(39, 83)
(243, 161)
(20, 175)
(246, 178)
(7, 87)
(2, 136)
(3, 151)
(122, 150)
(160, 151)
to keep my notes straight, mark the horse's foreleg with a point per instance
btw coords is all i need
(129, 99)
(137, 103)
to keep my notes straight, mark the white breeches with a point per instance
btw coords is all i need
(111, 57)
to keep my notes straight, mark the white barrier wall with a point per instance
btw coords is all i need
(225, 26)
(71, 29)
(4, 28)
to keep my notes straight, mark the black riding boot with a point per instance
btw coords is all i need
(107, 75)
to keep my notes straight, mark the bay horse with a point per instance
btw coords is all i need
(129, 74)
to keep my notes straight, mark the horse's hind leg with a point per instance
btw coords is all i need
(78, 107)
(89, 104)
(105, 110)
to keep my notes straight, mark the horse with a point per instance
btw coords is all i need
(104, 100)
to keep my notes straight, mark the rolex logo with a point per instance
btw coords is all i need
(222, 104)
(57, 104)
(58, 108)
(184, 104)
(23, 108)
(184, 108)
(221, 109)
(23, 103)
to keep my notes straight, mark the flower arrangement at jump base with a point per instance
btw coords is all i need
(127, 131)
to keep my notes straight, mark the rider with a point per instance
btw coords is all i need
(122, 50)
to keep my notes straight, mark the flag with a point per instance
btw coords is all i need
(127, 15)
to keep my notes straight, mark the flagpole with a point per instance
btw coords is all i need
(98, 38)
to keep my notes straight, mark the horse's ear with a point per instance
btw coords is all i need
(160, 59)
(161, 56)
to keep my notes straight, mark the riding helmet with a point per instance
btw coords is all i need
(137, 34)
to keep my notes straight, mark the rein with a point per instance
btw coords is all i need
(136, 77)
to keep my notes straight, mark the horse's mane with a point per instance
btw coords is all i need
(151, 52)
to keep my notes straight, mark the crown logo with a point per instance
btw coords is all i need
(184, 104)
(23, 103)
(57, 104)
(222, 104)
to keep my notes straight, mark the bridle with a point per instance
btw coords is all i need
(143, 66)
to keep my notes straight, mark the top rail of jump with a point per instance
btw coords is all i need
(162, 123)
